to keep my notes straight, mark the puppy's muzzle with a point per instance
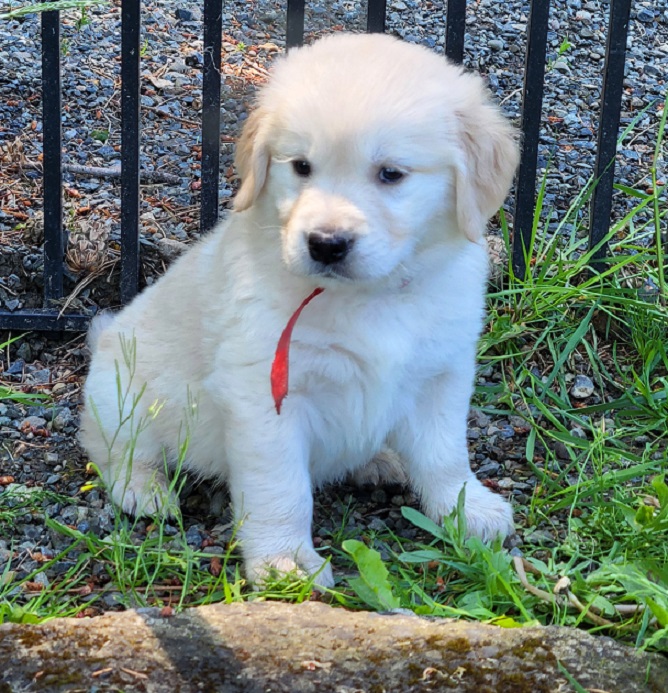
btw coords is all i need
(329, 248)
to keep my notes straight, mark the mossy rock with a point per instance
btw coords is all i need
(312, 647)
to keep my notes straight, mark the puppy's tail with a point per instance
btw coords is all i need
(97, 326)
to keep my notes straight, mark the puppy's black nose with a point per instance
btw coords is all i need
(328, 248)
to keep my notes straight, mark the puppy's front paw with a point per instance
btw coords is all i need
(303, 562)
(488, 515)
(145, 493)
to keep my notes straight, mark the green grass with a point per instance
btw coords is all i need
(595, 554)
(12, 394)
(129, 568)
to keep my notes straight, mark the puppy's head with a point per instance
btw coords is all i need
(365, 148)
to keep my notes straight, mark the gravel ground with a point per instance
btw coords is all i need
(38, 449)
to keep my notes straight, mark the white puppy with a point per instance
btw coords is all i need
(369, 168)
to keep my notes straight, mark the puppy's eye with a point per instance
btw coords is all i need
(301, 167)
(387, 174)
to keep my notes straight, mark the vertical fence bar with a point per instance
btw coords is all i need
(130, 60)
(294, 35)
(375, 16)
(532, 106)
(608, 129)
(52, 157)
(211, 113)
(455, 30)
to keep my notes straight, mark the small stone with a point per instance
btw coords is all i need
(62, 418)
(24, 352)
(69, 514)
(377, 525)
(379, 496)
(645, 15)
(170, 530)
(17, 367)
(41, 377)
(53, 509)
(194, 60)
(561, 450)
(33, 422)
(479, 418)
(113, 599)
(539, 536)
(184, 15)
(193, 537)
(170, 249)
(496, 44)
(583, 387)
(506, 432)
(489, 469)
(578, 432)
(41, 579)
(107, 152)
(104, 519)
(561, 66)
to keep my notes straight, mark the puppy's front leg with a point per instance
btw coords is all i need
(432, 441)
(272, 498)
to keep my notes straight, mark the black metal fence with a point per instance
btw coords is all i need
(49, 319)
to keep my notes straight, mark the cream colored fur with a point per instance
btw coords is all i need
(384, 357)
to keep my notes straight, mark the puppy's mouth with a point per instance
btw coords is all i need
(339, 272)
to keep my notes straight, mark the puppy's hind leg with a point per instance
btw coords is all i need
(386, 468)
(133, 469)
(140, 488)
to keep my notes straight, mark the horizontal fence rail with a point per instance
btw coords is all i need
(50, 319)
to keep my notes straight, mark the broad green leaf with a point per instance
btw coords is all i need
(421, 556)
(660, 612)
(373, 574)
(423, 522)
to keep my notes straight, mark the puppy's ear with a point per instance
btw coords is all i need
(489, 155)
(252, 159)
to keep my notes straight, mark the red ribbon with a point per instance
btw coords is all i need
(281, 365)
